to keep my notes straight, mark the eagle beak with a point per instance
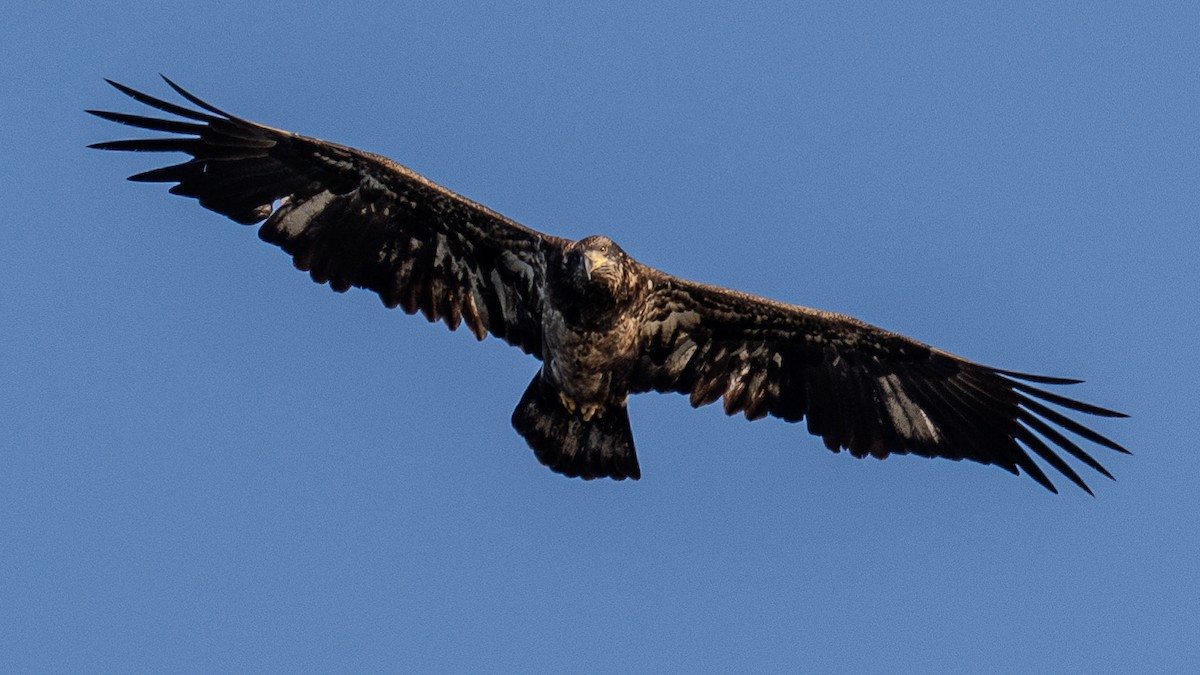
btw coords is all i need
(592, 260)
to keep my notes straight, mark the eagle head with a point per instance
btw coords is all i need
(596, 265)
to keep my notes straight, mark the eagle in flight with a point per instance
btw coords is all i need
(603, 325)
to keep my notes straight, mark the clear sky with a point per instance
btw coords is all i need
(208, 462)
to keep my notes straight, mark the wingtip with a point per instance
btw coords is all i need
(124, 89)
(1037, 475)
(1105, 412)
(196, 100)
(1040, 379)
(173, 108)
(1085, 487)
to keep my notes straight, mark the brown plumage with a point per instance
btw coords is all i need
(604, 325)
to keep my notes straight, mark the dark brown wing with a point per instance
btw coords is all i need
(861, 388)
(352, 218)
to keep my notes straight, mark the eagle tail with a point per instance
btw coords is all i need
(601, 447)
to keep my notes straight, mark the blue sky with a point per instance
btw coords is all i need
(209, 463)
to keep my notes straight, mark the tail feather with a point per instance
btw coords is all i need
(563, 441)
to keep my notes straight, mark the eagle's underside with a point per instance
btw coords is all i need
(603, 325)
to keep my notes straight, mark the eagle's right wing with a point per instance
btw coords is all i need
(860, 387)
(352, 218)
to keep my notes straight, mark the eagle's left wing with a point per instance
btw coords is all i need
(862, 388)
(352, 218)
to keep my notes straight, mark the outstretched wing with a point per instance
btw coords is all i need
(862, 388)
(351, 218)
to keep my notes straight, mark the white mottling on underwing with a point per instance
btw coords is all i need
(910, 420)
(514, 264)
(498, 284)
(478, 301)
(674, 322)
(389, 253)
(297, 219)
(334, 162)
(373, 183)
(439, 252)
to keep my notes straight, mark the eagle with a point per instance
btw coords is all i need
(603, 325)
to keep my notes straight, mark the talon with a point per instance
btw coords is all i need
(589, 411)
(567, 402)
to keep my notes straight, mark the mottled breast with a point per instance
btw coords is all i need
(590, 366)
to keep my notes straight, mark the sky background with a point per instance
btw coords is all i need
(209, 463)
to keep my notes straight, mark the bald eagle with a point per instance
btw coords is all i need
(603, 325)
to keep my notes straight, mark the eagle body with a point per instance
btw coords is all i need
(591, 342)
(591, 335)
(591, 367)
(603, 325)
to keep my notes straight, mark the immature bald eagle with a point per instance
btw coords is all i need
(604, 325)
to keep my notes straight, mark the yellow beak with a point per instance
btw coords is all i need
(592, 260)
